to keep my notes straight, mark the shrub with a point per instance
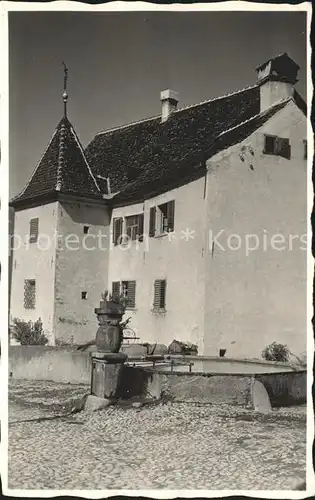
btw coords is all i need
(276, 352)
(29, 333)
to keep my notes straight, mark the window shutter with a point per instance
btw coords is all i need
(116, 289)
(170, 215)
(29, 294)
(283, 147)
(33, 230)
(152, 222)
(117, 230)
(140, 226)
(159, 294)
(287, 151)
(162, 293)
(131, 293)
(270, 144)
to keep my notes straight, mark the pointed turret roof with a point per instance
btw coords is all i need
(62, 169)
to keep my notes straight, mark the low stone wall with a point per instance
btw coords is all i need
(58, 364)
(67, 365)
(284, 389)
(214, 389)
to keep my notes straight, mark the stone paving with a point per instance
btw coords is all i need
(162, 446)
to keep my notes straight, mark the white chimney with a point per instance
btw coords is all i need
(276, 79)
(169, 100)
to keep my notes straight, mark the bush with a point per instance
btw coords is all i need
(276, 352)
(29, 333)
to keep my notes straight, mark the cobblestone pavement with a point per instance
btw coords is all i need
(163, 446)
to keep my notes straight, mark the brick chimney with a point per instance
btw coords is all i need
(169, 100)
(276, 79)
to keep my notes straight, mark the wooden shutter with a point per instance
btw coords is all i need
(159, 294)
(33, 230)
(283, 147)
(170, 215)
(162, 293)
(152, 222)
(29, 294)
(117, 230)
(116, 289)
(269, 144)
(131, 293)
(140, 226)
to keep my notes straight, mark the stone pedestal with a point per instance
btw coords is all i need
(106, 373)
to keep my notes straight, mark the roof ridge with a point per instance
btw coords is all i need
(120, 127)
(216, 98)
(83, 156)
(61, 155)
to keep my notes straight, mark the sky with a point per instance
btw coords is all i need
(118, 63)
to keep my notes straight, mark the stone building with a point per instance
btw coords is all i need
(198, 215)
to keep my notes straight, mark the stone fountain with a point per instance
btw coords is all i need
(107, 362)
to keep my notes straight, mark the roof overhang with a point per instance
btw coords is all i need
(44, 199)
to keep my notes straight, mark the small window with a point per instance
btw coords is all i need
(33, 230)
(117, 230)
(277, 146)
(129, 292)
(305, 149)
(86, 229)
(162, 219)
(29, 294)
(83, 295)
(159, 295)
(134, 227)
(116, 289)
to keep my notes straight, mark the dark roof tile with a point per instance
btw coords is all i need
(148, 155)
(62, 169)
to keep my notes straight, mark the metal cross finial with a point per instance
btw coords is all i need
(65, 94)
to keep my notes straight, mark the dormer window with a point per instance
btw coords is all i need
(33, 230)
(277, 146)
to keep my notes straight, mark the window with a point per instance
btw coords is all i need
(127, 289)
(117, 230)
(159, 295)
(83, 295)
(305, 149)
(29, 294)
(129, 292)
(277, 146)
(162, 219)
(86, 229)
(33, 230)
(134, 227)
(116, 289)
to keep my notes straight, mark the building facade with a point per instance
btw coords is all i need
(198, 216)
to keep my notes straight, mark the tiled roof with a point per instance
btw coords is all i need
(148, 156)
(245, 129)
(62, 169)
